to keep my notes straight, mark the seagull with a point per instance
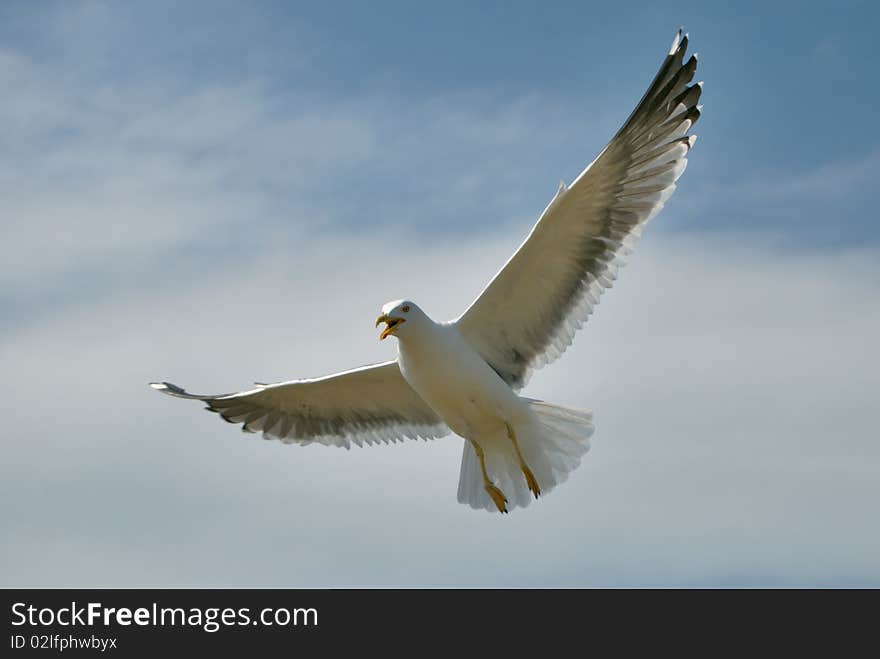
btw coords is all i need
(465, 375)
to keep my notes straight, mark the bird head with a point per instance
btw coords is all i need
(395, 315)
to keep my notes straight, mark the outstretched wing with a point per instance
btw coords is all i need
(365, 405)
(528, 314)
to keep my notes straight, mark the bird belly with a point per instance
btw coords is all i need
(461, 388)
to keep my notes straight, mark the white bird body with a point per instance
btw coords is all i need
(465, 375)
(510, 432)
(454, 380)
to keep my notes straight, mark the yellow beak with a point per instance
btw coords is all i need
(391, 323)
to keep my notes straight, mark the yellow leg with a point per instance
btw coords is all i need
(496, 494)
(530, 477)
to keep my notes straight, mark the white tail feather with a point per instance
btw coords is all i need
(552, 444)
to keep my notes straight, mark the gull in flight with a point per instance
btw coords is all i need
(465, 375)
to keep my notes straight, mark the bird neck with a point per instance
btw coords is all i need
(421, 336)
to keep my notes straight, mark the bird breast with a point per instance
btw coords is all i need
(456, 382)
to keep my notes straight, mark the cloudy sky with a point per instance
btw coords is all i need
(229, 192)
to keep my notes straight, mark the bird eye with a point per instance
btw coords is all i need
(405, 309)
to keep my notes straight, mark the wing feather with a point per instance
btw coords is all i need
(528, 314)
(362, 406)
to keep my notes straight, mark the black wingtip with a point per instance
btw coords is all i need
(689, 96)
(677, 40)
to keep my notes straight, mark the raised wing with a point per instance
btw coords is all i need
(528, 314)
(365, 405)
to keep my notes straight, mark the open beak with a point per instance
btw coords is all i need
(391, 323)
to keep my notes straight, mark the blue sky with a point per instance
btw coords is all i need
(182, 184)
(791, 89)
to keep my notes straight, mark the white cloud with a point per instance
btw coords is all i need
(829, 200)
(103, 175)
(731, 386)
